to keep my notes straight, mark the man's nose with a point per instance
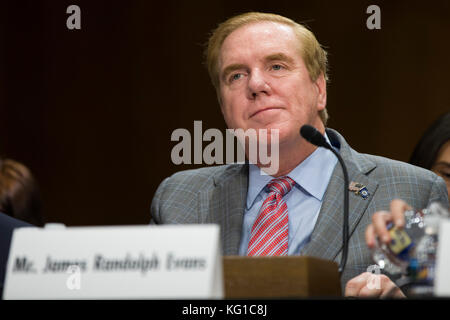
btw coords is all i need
(257, 85)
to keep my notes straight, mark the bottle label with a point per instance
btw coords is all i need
(400, 240)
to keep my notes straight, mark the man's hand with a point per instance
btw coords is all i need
(369, 285)
(381, 218)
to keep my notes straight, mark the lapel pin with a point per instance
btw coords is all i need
(360, 189)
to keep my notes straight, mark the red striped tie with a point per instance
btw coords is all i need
(269, 235)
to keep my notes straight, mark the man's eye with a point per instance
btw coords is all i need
(277, 67)
(235, 77)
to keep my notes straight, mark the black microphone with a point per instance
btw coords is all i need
(313, 136)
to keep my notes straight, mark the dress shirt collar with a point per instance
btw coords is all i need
(311, 175)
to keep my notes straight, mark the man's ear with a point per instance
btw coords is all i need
(321, 86)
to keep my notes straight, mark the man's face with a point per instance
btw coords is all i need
(264, 83)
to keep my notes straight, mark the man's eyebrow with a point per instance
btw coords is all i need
(231, 68)
(272, 57)
(279, 57)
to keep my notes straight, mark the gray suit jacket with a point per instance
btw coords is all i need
(218, 195)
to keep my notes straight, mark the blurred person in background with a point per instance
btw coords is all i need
(20, 206)
(433, 150)
(19, 193)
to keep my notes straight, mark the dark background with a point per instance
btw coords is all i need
(91, 111)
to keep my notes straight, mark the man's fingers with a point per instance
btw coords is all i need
(398, 207)
(369, 285)
(379, 222)
(369, 293)
(380, 219)
(355, 285)
(372, 287)
(392, 291)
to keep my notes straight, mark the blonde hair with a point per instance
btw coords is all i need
(314, 56)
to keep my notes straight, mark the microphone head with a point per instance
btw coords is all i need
(312, 135)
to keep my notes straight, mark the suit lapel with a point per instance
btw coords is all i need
(224, 204)
(326, 238)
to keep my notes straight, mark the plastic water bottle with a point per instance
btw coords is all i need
(411, 254)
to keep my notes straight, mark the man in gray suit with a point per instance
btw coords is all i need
(270, 73)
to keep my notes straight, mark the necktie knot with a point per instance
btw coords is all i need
(281, 185)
